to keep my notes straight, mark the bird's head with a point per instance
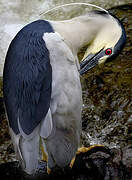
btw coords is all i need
(106, 45)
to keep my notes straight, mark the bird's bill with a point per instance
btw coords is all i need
(90, 61)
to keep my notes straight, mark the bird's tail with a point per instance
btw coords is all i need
(27, 151)
(30, 153)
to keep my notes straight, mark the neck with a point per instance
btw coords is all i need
(79, 31)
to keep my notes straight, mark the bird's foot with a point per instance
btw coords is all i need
(86, 149)
(89, 150)
(48, 170)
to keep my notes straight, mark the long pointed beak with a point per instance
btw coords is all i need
(90, 61)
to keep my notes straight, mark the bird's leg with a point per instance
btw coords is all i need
(44, 155)
(84, 150)
(72, 162)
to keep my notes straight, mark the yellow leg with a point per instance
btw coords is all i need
(72, 162)
(44, 156)
(83, 150)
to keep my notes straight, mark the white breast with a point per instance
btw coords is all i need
(66, 99)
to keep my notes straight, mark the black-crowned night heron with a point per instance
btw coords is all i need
(42, 89)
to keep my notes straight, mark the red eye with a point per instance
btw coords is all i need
(108, 51)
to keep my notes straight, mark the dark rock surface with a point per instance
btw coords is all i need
(97, 164)
(107, 95)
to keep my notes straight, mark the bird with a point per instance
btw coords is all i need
(41, 83)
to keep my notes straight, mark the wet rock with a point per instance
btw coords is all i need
(107, 94)
(127, 158)
(96, 164)
(130, 120)
(1, 109)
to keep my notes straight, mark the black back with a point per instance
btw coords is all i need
(27, 77)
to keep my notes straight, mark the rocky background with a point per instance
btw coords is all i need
(107, 95)
(106, 118)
